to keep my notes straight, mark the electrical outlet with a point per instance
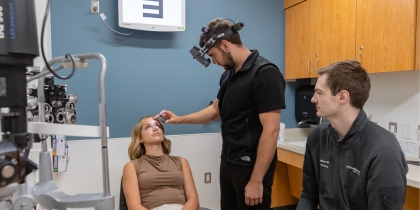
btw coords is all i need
(94, 6)
(207, 178)
(393, 127)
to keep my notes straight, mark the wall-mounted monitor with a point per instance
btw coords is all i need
(152, 15)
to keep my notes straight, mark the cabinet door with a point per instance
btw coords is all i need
(300, 40)
(385, 35)
(335, 31)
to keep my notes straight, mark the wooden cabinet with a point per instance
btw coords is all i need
(378, 33)
(287, 182)
(281, 194)
(335, 25)
(300, 40)
(385, 35)
(318, 33)
(412, 198)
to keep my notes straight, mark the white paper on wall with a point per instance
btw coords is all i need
(410, 148)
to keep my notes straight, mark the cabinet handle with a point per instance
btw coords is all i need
(316, 66)
(309, 67)
(359, 58)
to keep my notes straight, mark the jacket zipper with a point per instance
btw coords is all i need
(337, 177)
(249, 135)
(223, 100)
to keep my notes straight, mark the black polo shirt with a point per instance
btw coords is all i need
(256, 88)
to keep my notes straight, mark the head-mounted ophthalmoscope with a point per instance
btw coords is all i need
(198, 53)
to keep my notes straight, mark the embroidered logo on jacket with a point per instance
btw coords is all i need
(246, 158)
(354, 170)
(324, 163)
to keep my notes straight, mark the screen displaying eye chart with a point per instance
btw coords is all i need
(152, 15)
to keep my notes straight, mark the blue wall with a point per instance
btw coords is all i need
(151, 71)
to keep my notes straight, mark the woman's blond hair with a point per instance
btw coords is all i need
(136, 149)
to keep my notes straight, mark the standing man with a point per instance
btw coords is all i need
(350, 162)
(249, 104)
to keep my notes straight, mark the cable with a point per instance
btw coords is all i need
(42, 48)
(103, 18)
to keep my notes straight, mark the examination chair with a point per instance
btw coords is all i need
(123, 203)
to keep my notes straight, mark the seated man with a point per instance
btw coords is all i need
(154, 180)
(351, 162)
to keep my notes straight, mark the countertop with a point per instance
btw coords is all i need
(296, 142)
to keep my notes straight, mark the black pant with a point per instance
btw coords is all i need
(233, 180)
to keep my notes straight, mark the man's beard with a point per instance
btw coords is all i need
(227, 58)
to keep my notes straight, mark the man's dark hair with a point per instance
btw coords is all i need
(217, 26)
(351, 76)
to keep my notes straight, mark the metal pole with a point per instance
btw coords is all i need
(102, 108)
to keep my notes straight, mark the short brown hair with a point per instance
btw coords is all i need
(217, 26)
(136, 149)
(351, 76)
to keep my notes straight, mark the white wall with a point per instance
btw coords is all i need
(395, 97)
(84, 172)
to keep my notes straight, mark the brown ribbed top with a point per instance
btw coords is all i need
(160, 180)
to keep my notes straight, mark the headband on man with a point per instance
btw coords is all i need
(199, 54)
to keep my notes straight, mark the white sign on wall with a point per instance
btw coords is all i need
(152, 15)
